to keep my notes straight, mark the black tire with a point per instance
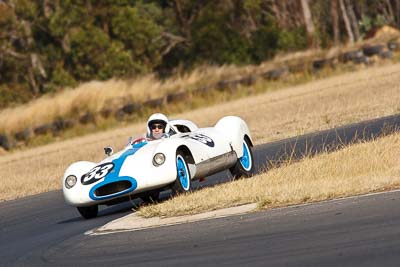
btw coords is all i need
(183, 182)
(322, 63)
(393, 46)
(351, 55)
(5, 142)
(244, 166)
(249, 80)
(372, 50)
(89, 212)
(386, 54)
(228, 85)
(151, 197)
(362, 60)
(275, 74)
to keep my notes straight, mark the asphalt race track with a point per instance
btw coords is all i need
(364, 231)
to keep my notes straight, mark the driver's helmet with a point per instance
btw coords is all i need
(157, 118)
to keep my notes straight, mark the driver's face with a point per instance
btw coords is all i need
(157, 128)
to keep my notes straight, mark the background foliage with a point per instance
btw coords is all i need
(47, 45)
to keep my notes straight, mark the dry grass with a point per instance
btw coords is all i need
(94, 96)
(356, 169)
(318, 105)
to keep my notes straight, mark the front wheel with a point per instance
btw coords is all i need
(183, 181)
(244, 166)
(89, 212)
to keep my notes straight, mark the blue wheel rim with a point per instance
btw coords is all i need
(245, 160)
(183, 174)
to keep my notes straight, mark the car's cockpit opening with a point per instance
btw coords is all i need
(182, 128)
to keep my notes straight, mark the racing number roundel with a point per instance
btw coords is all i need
(203, 139)
(98, 172)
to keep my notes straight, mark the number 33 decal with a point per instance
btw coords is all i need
(97, 173)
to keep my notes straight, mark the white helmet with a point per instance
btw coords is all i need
(157, 118)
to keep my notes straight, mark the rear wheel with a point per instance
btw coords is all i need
(244, 166)
(183, 181)
(89, 212)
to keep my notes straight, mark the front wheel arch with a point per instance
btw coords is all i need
(186, 153)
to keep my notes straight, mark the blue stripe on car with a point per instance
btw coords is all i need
(113, 176)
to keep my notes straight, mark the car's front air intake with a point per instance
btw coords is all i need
(112, 188)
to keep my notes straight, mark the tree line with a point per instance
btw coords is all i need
(49, 44)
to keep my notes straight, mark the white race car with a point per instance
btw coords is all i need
(144, 167)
